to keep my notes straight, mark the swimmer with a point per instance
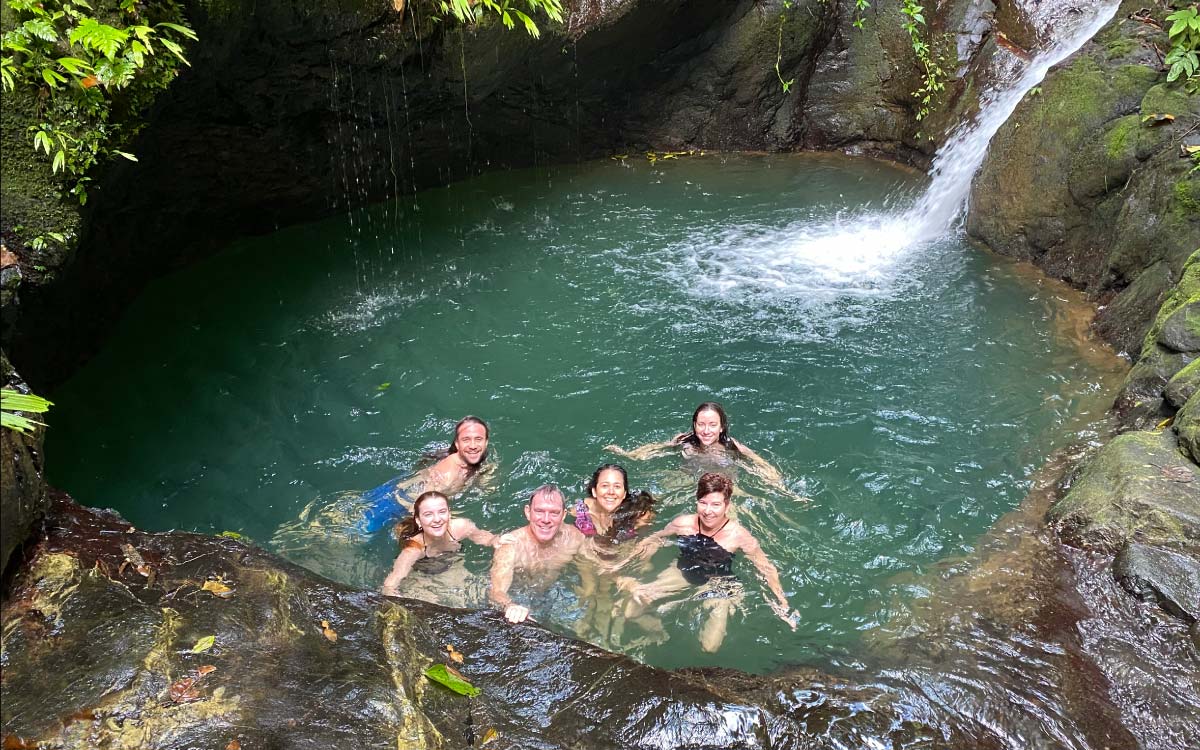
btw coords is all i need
(542, 549)
(430, 537)
(450, 475)
(610, 517)
(710, 434)
(708, 540)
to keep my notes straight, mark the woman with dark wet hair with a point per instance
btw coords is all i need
(609, 516)
(453, 469)
(710, 435)
(430, 538)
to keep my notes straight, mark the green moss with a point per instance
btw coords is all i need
(1163, 100)
(1185, 196)
(1120, 47)
(1187, 290)
(1122, 137)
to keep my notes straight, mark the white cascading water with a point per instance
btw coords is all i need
(858, 253)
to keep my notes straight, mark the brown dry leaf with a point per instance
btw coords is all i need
(89, 81)
(233, 745)
(398, 5)
(7, 258)
(455, 655)
(1177, 473)
(1155, 119)
(13, 742)
(327, 631)
(489, 735)
(206, 669)
(218, 589)
(184, 691)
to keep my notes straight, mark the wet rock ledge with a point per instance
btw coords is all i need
(115, 637)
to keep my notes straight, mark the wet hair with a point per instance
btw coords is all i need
(632, 509)
(440, 454)
(408, 528)
(714, 482)
(691, 438)
(546, 490)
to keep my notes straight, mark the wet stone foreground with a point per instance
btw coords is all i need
(115, 637)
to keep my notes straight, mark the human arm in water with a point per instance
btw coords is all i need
(769, 573)
(763, 469)
(465, 528)
(646, 548)
(401, 568)
(503, 563)
(644, 452)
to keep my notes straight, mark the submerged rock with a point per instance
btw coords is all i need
(1171, 579)
(1140, 488)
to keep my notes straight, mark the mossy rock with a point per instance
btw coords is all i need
(1165, 99)
(1187, 427)
(1185, 292)
(1183, 385)
(1181, 330)
(1138, 487)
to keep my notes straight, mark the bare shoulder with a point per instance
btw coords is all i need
(741, 537)
(685, 522)
(461, 526)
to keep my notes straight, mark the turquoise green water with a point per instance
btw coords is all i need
(909, 392)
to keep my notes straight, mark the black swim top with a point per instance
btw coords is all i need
(440, 562)
(702, 558)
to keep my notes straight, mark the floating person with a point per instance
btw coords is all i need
(450, 475)
(540, 549)
(431, 539)
(708, 541)
(709, 437)
(610, 517)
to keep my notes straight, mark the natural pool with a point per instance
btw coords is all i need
(909, 391)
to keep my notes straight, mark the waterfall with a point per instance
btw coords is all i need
(860, 252)
(956, 162)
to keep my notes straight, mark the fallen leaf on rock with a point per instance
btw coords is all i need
(13, 742)
(1163, 424)
(183, 691)
(455, 655)
(1155, 119)
(451, 678)
(218, 589)
(489, 735)
(206, 669)
(1177, 473)
(327, 631)
(7, 258)
(204, 644)
(233, 745)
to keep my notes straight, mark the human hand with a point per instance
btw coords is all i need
(785, 613)
(614, 448)
(516, 613)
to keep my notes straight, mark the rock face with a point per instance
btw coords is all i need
(1171, 579)
(22, 488)
(1138, 487)
(1077, 182)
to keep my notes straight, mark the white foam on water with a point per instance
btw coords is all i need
(864, 254)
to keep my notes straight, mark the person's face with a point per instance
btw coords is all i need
(545, 515)
(707, 427)
(609, 490)
(434, 516)
(471, 442)
(711, 509)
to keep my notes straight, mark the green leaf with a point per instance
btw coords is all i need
(73, 65)
(204, 644)
(443, 675)
(184, 30)
(175, 49)
(42, 28)
(128, 156)
(14, 400)
(52, 77)
(42, 140)
(60, 162)
(17, 422)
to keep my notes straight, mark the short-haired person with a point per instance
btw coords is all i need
(541, 549)
(449, 475)
(709, 436)
(708, 540)
(430, 539)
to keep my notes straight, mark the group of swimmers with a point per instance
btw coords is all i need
(605, 537)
